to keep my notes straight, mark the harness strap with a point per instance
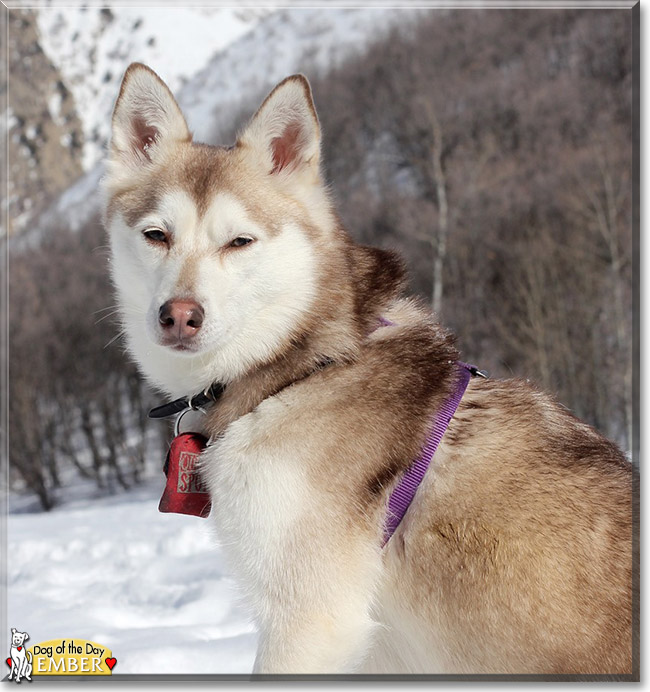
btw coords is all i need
(403, 494)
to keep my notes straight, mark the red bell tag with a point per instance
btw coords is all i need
(185, 492)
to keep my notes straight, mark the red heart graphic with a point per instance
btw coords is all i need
(20, 648)
(110, 662)
(9, 662)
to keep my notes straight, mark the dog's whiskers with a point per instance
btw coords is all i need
(121, 333)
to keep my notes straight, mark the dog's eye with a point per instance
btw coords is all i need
(240, 241)
(155, 235)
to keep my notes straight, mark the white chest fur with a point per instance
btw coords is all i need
(259, 495)
(307, 576)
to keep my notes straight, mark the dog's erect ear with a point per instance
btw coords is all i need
(13, 630)
(146, 119)
(284, 134)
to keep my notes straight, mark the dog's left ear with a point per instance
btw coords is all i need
(284, 134)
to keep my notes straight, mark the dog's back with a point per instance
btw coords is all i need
(517, 554)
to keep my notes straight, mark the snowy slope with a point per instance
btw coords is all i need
(92, 46)
(149, 586)
(285, 42)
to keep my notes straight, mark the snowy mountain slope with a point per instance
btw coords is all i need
(285, 42)
(92, 46)
(281, 43)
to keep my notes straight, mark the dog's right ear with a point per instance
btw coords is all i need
(147, 121)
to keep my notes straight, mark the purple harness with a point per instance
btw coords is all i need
(403, 494)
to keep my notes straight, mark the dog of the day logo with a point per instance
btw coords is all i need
(58, 657)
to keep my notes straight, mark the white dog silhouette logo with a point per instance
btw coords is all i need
(21, 659)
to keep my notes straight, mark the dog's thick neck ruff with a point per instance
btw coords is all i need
(198, 502)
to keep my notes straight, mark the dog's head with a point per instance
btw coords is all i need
(215, 251)
(18, 638)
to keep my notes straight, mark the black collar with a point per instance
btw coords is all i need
(212, 394)
(209, 395)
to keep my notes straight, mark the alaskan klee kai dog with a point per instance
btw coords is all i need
(231, 266)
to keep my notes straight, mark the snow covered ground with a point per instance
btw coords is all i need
(149, 586)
